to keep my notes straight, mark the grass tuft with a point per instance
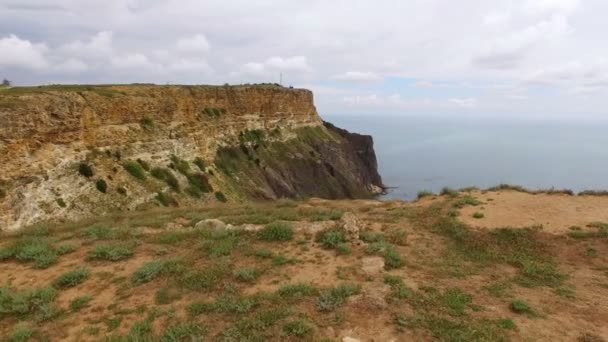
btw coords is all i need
(111, 252)
(72, 278)
(276, 231)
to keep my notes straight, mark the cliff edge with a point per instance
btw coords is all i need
(70, 152)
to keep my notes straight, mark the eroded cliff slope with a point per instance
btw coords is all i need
(68, 152)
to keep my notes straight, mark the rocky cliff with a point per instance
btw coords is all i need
(68, 152)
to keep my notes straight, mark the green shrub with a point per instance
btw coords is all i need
(144, 164)
(425, 193)
(72, 278)
(521, 307)
(333, 298)
(397, 236)
(26, 301)
(184, 332)
(449, 192)
(371, 236)
(331, 238)
(61, 203)
(152, 270)
(79, 302)
(478, 215)
(166, 200)
(182, 166)
(392, 258)
(220, 196)
(398, 288)
(66, 248)
(111, 252)
(148, 123)
(101, 185)
(134, 169)
(506, 324)
(99, 232)
(38, 250)
(22, 332)
(276, 231)
(200, 163)
(85, 170)
(199, 183)
(297, 290)
(167, 176)
(247, 274)
(467, 200)
(298, 328)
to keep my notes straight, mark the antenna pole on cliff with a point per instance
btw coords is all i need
(281, 79)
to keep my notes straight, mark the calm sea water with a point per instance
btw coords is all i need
(417, 154)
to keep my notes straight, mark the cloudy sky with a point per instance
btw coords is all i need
(495, 58)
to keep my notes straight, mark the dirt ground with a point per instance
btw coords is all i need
(555, 212)
(445, 294)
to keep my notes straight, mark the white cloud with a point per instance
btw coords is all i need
(134, 61)
(539, 7)
(72, 65)
(463, 102)
(358, 76)
(16, 52)
(274, 64)
(194, 44)
(97, 47)
(509, 50)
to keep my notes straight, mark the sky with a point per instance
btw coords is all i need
(526, 59)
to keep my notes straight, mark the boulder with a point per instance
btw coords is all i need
(351, 224)
(210, 224)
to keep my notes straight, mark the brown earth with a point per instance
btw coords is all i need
(556, 213)
(574, 309)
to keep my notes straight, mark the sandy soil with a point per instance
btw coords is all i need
(556, 213)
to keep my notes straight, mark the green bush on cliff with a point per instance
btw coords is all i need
(199, 184)
(167, 176)
(135, 169)
(220, 196)
(85, 170)
(101, 185)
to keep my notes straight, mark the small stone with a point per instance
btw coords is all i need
(210, 224)
(351, 224)
(350, 339)
(372, 265)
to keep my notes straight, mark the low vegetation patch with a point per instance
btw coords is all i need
(134, 169)
(101, 185)
(247, 274)
(298, 328)
(425, 193)
(276, 231)
(79, 302)
(154, 269)
(521, 307)
(331, 238)
(333, 298)
(518, 247)
(72, 278)
(111, 252)
(392, 257)
(38, 301)
(85, 170)
(40, 251)
(166, 199)
(166, 176)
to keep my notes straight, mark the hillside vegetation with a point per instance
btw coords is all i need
(311, 270)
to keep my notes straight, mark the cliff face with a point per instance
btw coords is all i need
(174, 145)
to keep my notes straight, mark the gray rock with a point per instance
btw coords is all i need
(210, 224)
(351, 224)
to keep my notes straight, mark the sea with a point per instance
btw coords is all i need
(426, 154)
